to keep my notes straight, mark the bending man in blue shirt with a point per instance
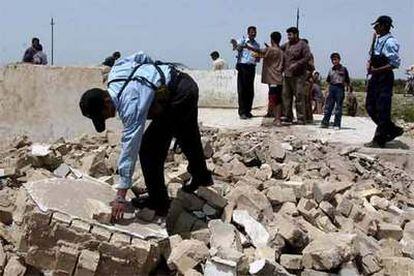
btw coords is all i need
(140, 89)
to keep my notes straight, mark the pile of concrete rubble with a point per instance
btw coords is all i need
(280, 205)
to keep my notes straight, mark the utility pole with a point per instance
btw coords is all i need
(52, 23)
(297, 18)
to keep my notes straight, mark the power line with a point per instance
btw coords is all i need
(52, 24)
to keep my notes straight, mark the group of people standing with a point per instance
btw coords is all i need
(289, 71)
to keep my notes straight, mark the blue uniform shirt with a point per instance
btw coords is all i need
(132, 108)
(244, 55)
(389, 47)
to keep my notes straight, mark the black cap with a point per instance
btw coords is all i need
(92, 104)
(383, 19)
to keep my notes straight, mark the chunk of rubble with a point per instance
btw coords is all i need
(329, 252)
(264, 268)
(223, 235)
(14, 267)
(251, 200)
(327, 190)
(99, 211)
(186, 255)
(291, 261)
(213, 268)
(278, 195)
(256, 231)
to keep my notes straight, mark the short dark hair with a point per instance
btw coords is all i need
(305, 40)
(292, 30)
(214, 55)
(276, 37)
(251, 28)
(116, 54)
(35, 39)
(335, 55)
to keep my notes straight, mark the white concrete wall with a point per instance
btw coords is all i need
(43, 101)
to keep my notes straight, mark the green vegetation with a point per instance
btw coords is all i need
(402, 106)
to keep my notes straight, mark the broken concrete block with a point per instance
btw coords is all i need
(277, 152)
(390, 248)
(223, 235)
(101, 233)
(207, 148)
(292, 234)
(291, 262)
(379, 202)
(66, 259)
(212, 197)
(329, 251)
(213, 268)
(299, 187)
(192, 272)
(307, 208)
(94, 164)
(370, 264)
(62, 171)
(345, 206)
(256, 231)
(398, 266)
(289, 208)
(209, 211)
(327, 208)
(186, 255)
(201, 235)
(14, 267)
(389, 231)
(266, 253)
(87, 263)
(349, 269)
(264, 268)
(278, 195)
(324, 223)
(253, 201)
(99, 211)
(146, 214)
(190, 201)
(327, 190)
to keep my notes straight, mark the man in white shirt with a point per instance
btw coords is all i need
(218, 63)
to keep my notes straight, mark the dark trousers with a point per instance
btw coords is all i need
(179, 120)
(294, 87)
(245, 87)
(378, 104)
(335, 100)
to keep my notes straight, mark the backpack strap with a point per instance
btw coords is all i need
(141, 79)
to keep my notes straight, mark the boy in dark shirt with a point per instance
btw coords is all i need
(338, 79)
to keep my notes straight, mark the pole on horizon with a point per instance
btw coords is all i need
(52, 24)
(297, 18)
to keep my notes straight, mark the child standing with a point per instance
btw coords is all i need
(338, 80)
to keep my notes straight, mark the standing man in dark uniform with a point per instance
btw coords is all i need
(246, 71)
(384, 59)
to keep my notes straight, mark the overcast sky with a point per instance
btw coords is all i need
(187, 31)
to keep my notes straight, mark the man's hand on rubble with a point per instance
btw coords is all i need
(119, 205)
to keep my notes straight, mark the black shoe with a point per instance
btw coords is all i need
(249, 115)
(374, 144)
(192, 186)
(243, 117)
(160, 207)
(398, 132)
(324, 125)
